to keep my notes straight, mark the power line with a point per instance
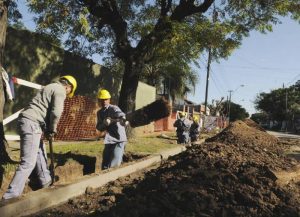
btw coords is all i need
(217, 86)
(293, 80)
(262, 68)
(220, 85)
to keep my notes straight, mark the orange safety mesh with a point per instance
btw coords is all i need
(78, 120)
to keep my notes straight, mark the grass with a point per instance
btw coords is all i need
(146, 144)
(149, 144)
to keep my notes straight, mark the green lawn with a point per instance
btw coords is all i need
(147, 144)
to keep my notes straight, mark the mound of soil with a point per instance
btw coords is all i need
(240, 134)
(233, 175)
(253, 124)
(212, 179)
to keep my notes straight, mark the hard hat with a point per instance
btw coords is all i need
(195, 118)
(182, 114)
(103, 94)
(72, 82)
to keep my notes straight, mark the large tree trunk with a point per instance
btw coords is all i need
(133, 68)
(3, 26)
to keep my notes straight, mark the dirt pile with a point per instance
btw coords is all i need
(253, 124)
(240, 134)
(214, 179)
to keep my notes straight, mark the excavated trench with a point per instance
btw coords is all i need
(242, 171)
(69, 167)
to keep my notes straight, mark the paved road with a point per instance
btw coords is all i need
(284, 135)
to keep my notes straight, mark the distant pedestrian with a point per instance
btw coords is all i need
(195, 130)
(42, 114)
(182, 129)
(112, 121)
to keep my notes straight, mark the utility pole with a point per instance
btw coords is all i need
(207, 78)
(214, 18)
(286, 110)
(230, 91)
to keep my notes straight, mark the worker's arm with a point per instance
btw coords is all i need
(57, 107)
(100, 134)
(117, 112)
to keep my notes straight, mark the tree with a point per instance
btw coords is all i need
(260, 117)
(237, 112)
(7, 9)
(282, 104)
(133, 30)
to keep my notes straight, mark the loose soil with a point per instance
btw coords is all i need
(239, 172)
(68, 168)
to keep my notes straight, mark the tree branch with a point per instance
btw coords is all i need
(187, 8)
(108, 14)
(165, 7)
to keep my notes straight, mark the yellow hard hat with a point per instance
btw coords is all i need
(72, 81)
(103, 94)
(182, 114)
(195, 118)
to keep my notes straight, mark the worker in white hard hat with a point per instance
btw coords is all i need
(112, 121)
(41, 115)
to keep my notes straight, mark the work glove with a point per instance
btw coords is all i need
(107, 121)
(124, 122)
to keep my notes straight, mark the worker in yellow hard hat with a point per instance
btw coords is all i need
(112, 121)
(182, 128)
(40, 116)
(195, 130)
(71, 81)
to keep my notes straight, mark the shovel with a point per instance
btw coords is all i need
(52, 170)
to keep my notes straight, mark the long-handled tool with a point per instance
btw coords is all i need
(52, 170)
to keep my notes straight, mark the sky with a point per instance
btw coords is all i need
(263, 62)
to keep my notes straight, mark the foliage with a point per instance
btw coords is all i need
(14, 14)
(260, 117)
(281, 103)
(140, 32)
(236, 112)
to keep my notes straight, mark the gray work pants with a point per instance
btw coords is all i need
(33, 158)
(112, 155)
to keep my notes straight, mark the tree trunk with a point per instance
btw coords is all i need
(133, 69)
(4, 157)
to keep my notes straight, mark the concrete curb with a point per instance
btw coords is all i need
(39, 200)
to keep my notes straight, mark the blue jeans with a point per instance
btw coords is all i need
(33, 158)
(112, 155)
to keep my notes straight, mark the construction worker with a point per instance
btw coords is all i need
(112, 121)
(183, 127)
(195, 130)
(41, 115)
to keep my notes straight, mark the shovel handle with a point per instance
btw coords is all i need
(52, 170)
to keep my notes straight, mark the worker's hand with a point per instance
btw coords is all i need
(124, 122)
(107, 121)
(50, 135)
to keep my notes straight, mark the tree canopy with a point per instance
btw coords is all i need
(280, 104)
(135, 31)
(237, 112)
